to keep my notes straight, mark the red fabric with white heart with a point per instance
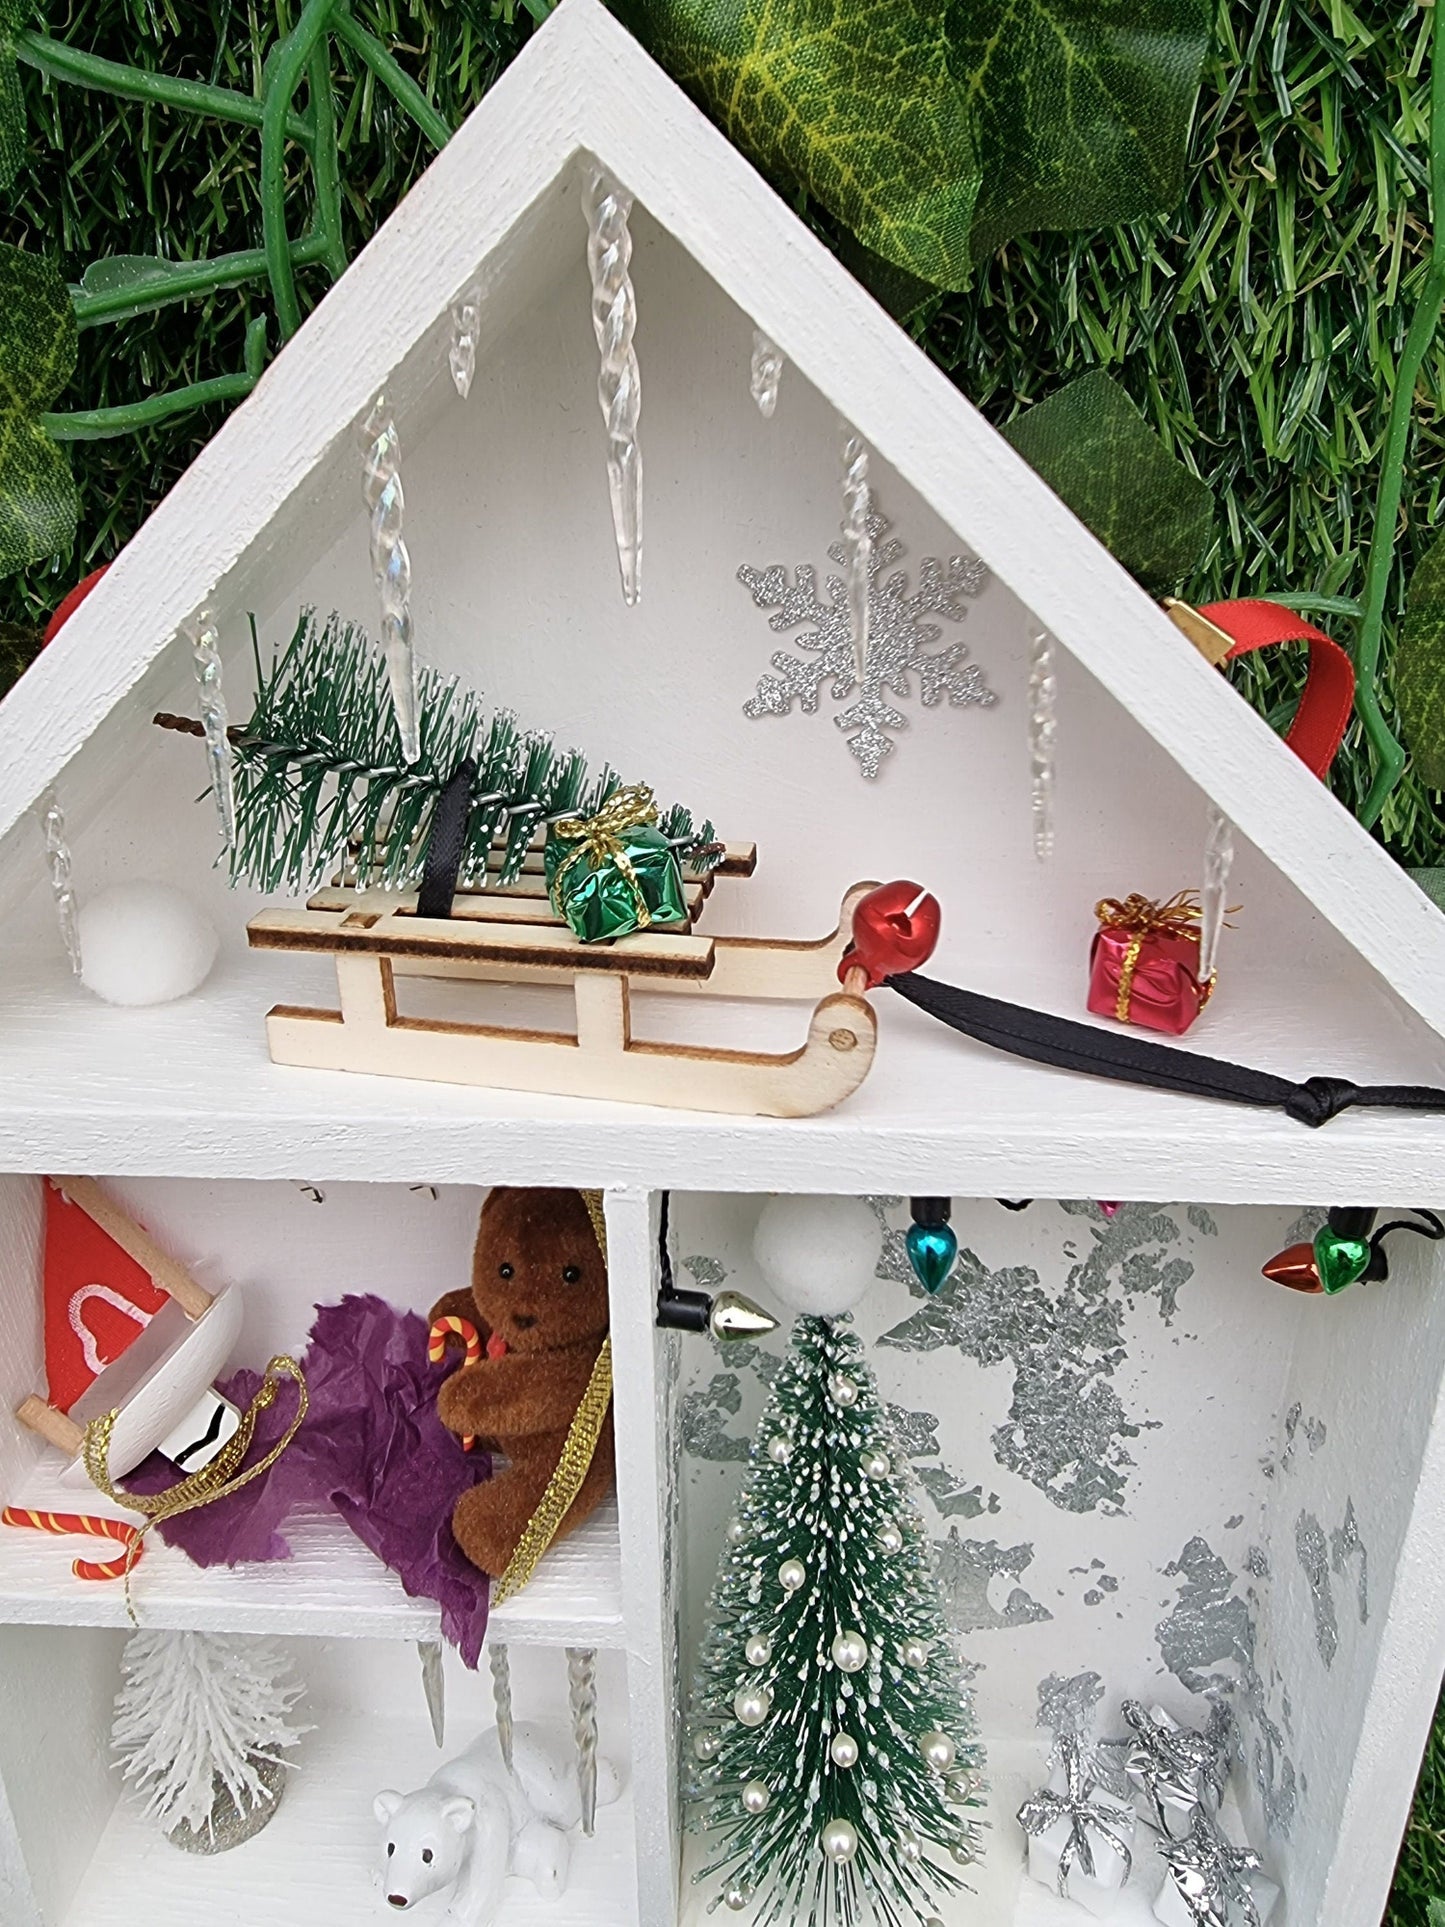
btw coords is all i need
(98, 1300)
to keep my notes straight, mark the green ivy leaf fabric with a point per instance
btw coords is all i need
(1420, 667)
(1080, 108)
(936, 129)
(37, 359)
(1094, 448)
(14, 14)
(854, 102)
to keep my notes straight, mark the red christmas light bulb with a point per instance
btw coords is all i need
(895, 928)
(1295, 1266)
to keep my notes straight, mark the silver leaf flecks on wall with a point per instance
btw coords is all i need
(1067, 1428)
(1313, 1552)
(964, 1568)
(1346, 1544)
(1212, 1626)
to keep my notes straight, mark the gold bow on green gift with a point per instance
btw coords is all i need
(614, 871)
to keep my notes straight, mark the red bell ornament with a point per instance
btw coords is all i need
(895, 929)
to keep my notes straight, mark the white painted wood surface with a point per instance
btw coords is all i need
(644, 1390)
(585, 85)
(1338, 963)
(189, 1089)
(331, 1587)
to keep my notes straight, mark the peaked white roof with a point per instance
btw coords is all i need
(584, 84)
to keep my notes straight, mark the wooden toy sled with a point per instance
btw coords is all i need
(512, 935)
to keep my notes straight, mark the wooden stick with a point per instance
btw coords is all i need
(167, 1273)
(54, 1427)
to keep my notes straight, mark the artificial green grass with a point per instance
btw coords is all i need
(109, 177)
(1417, 1898)
(1258, 326)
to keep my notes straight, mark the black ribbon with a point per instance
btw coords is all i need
(446, 843)
(1130, 1059)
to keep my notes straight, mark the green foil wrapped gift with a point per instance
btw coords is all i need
(615, 872)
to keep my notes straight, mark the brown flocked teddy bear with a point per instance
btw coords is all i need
(539, 1303)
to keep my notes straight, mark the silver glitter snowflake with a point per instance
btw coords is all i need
(902, 642)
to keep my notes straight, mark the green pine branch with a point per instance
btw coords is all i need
(867, 1569)
(321, 783)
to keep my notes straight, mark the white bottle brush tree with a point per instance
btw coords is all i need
(200, 1714)
(837, 1769)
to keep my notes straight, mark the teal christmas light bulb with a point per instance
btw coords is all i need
(932, 1250)
(932, 1246)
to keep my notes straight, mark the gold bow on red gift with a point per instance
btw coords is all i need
(1140, 918)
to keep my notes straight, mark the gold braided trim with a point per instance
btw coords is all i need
(213, 1481)
(577, 1450)
(565, 1482)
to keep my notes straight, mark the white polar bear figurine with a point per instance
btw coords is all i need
(473, 1823)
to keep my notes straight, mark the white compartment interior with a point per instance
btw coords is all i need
(1141, 1460)
(516, 591)
(96, 1861)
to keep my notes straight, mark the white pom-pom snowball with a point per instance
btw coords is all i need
(144, 943)
(818, 1254)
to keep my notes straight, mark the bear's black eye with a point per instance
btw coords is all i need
(426, 1855)
(390, 1848)
(570, 1274)
(504, 1271)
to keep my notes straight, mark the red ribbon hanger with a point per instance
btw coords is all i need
(1329, 694)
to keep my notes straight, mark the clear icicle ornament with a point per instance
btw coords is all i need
(500, 1661)
(391, 565)
(462, 354)
(619, 382)
(858, 542)
(57, 862)
(1218, 862)
(1043, 724)
(768, 364)
(582, 1700)
(205, 644)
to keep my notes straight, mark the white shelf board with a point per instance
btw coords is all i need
(315, 1864)
(188, 1089)
(331, 1586)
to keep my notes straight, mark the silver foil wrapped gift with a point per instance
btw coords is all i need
(1080, 1841)
(1176, 1771)
(1209, 1882)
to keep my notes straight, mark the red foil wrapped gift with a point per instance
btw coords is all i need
(1144, 963)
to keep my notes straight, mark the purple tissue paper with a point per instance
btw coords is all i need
(372, 1449)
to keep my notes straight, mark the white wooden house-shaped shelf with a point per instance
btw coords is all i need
(1250, 1416)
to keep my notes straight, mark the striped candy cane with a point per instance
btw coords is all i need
(436, 1347)
(80, 1522)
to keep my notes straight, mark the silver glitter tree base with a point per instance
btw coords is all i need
(229, 1824)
